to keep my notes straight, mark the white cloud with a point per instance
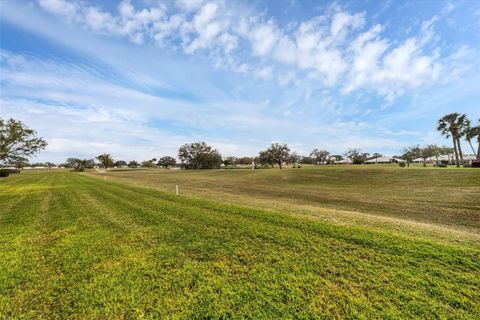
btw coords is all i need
(263, 38)
(61, 7)
(392, 72)
(189, 5)
(131, 23)
(79, 119)
(342, 21)
(332, 49)
(264, 73)
(459, 63)
(206, 27)
(286, 51)
(145, 107)
(427, 33)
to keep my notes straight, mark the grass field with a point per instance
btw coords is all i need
(437, 203)
(350, 242)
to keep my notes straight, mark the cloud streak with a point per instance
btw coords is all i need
(332, 49)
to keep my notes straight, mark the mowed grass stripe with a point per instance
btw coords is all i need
(60, 248)
(125, 252)
(448, 197)
(161, 201)
(18, 221)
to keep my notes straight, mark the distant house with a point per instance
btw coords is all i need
(345, 161)
(428, 160)
(383, 160)
(469, 158)
(9, 166)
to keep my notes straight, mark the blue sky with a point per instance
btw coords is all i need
(139, 78)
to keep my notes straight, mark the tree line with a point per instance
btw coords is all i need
(18, 142)
(199, 155)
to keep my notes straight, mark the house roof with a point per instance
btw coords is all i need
(440, 158)
(380, 159)
(384, 159)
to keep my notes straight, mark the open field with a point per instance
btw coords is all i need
(311, 243)
(436, 202)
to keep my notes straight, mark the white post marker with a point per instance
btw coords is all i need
(105, 178)
(176, 189)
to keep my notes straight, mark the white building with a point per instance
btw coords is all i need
(468, 158)
(383, 160)
(345, 161)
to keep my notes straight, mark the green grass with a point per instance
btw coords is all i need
(436, 203)
(72, 246)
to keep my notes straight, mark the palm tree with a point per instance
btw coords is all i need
(452, 125)
(472, 133)
(462, 125)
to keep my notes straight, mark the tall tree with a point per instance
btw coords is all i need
(199, 155)
(308, 160)
(230, 161)
(265, 158)
(133, 164)
(106, 160)
(473, 133)
(436, 151)
(476, 131)
(18, 142)
(277, 153)
(148, 163)
(120, 163)
(294, 158)
(79, 164)
(167, 162)
(410, 153)
(428, 151)
(452, 125)
(245, 160)
(320, 156)
(337, 157)
(463, 124)
(356, 155)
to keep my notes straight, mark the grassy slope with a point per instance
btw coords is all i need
(73, 246)
(427, 202)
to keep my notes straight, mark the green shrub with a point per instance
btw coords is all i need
(402, 164)
(4, 174)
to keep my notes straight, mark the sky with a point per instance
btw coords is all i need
(137, 79)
